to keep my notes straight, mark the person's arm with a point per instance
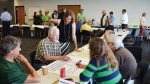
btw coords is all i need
(33, 76)
(55, 21)
(48, 58)
(74, 36)
(81, 66)
(87, 73)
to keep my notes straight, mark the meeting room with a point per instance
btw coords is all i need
(74, 42)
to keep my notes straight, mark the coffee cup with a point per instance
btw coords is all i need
(45, 70)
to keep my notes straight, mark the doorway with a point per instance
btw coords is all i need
(74, 8)
(20, 15)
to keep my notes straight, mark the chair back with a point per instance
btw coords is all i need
(126, 81)
(136, 51)
(32, 57)
(84, 32)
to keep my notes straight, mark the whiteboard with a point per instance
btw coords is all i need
(31, 12)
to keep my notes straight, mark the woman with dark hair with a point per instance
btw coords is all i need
(67, 29)
(103, 66)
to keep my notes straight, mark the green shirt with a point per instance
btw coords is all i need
(80, 17)
(46, 18)
(11, 72)
(102, 74)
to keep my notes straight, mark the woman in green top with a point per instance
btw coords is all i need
(103, 66)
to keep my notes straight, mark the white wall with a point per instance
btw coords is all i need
(93, 8)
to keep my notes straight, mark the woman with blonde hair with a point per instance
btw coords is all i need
(103, 66)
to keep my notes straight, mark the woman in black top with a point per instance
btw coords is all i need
(67, 29)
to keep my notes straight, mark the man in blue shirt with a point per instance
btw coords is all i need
(112, 17)
(6, 18)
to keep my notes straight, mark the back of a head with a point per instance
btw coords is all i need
(5, 9)
(143, 14)
(96, 46)
(82, 10)
(103, 12)
(124, 10)
(9, 43)
(99, 49)
(111, 12)
(116, 40)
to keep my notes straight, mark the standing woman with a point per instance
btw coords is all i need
(143, 25)
(103, 66)
(67, 29)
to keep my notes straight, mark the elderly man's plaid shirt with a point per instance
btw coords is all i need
(45, 46)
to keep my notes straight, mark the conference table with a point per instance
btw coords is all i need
(70, 66)
(28, 30)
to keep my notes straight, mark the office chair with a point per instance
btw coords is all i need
(26, 32)
(136, 51)
(85, 33)
(35, 63)
(127, 80)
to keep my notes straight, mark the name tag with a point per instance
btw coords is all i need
(62, 81)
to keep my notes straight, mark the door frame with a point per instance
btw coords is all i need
(61, 7)
(16, 19)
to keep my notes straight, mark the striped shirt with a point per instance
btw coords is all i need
(44, 47)
(5, 16)
(102, 74)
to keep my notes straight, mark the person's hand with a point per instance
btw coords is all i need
(79, 65)
(78, 50)
(21, 58)
(65, 58)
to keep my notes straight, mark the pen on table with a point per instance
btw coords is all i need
(79, 62)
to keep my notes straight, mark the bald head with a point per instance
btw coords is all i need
(103, 12)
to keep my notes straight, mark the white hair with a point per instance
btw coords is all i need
(116, 40)
(52, 30)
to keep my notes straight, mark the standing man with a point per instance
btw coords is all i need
(111, 17)
(103, 19)
(81, 16)
(55, 14)
(6, 18)
(39, 18)
(46, 18)
(124, 20)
